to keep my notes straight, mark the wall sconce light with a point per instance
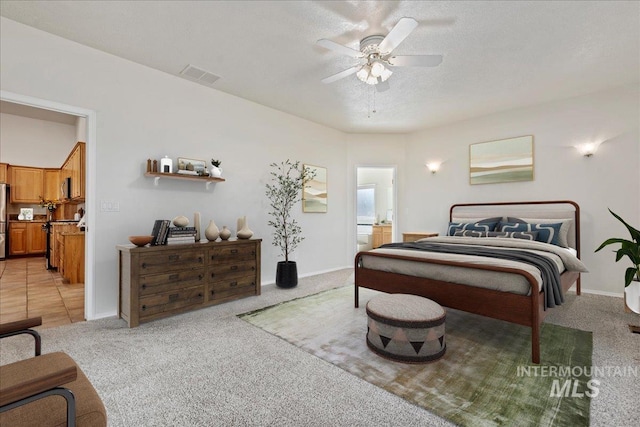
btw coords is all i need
(433, 167)
(587, 149)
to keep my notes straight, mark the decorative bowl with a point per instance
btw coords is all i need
(140, 240)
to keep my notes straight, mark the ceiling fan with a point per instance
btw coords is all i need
(376, 56)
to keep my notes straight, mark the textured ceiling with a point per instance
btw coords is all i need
(497, 55)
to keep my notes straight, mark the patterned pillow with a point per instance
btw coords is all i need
(488, 224)
(527, 235)
(547, 233)
(563, 239)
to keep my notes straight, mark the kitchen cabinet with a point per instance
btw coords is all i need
(55, 241)
(26, 184)
(3, 172)
(52, 183)
(160, 281)
(381, 234)
(17, 238)
(36, 238)
(74, 168)
(71, 256)
(27, 238)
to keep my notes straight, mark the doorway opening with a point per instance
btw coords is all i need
(89, 130)
(376, 206)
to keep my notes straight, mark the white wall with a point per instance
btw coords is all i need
(33, 142)
(611, 178)
(143, 113)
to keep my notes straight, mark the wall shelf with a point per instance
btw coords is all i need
(206, 179)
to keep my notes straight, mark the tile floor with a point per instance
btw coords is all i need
(28, 289)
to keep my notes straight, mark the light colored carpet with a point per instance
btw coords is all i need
(209, 368)
(476, 382)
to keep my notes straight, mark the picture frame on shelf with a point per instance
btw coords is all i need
(187, 166)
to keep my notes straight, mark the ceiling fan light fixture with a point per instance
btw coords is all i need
(377, 69)
(386, 73)
(363, 73)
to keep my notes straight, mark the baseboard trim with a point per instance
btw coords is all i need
(596, 292)
(315, 273)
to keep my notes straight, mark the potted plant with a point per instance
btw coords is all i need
(630, 249)
(284, 191)
(215, 168)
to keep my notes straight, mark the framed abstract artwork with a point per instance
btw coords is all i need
(505, 160)
(314, 193)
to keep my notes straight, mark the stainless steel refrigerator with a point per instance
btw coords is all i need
(3, 221)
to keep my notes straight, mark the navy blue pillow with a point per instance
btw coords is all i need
(547, 233)
(488, 224)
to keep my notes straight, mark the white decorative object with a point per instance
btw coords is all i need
(243, 229)
(215, 172)
(212, 232)
(181, 221)
(225, 233)
(166, 165)
(196, 224)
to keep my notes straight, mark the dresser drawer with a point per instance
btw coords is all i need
(178, 260)
(240, 286)
(170, 301)
(231, 269)
(233, 253)
(176, 280)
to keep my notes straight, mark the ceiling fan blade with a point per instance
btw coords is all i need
(383, 86)
(341, 74)
(403, 28)
(337, 47)
(415, 60)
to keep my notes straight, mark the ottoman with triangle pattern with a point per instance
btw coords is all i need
(406, 328)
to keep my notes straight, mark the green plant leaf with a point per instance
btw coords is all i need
(610, 242)
(635, 234)
(629, 275)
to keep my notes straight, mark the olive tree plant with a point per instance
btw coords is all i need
(284, 191)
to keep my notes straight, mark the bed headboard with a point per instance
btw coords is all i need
(542, 210)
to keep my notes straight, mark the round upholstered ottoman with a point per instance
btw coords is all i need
(406, 328)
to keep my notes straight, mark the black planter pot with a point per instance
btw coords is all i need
(287, 274)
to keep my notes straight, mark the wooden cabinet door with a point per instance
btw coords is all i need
(36, 238)
(3, 172)
(52, 184)
(77, 171)
(17, 238)
(26, 184)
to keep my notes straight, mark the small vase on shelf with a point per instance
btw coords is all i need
(243, 229)
(212, 232)
(225, 233)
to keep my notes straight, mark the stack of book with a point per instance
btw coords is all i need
(160, 232)
(179, 235)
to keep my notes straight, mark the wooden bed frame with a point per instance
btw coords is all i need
(527, 310)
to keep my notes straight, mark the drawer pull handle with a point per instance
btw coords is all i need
(173, 297)
(233, 284)
(199, 294)
(144, 286)
(212, 292)
(174, 276)
(252, 268)
(173, 257)
(144, 307)
(200, 276)
(234, 251)
(234, 267)
(144, 265)
(213, 275)
(200, 259)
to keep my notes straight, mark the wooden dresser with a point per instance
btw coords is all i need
(160, 281)
(380, 235)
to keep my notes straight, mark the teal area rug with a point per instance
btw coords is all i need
(485, 377)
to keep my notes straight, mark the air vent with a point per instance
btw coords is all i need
(199, 75)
